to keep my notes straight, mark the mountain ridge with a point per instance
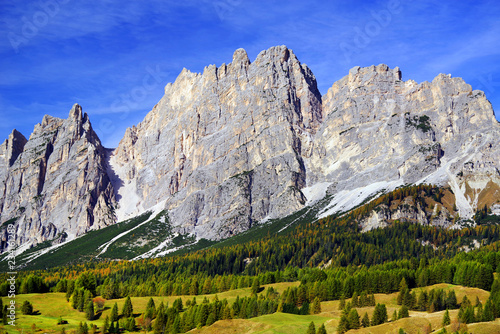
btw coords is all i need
(247, 142)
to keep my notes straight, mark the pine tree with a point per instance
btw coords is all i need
(114, 313)
(342, 303)
(105, 327)
(403, 312)
(128, 310)
(446, 318)
(353, 319)
(311, 329)
(321, 329)
(379, 315)
(89, 310)
(255, 286)
(316, 306)
(365, 322)
(343, 324)
(27, 308)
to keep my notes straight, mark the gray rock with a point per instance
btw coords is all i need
(236, 145)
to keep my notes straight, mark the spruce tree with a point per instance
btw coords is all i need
(451, 300)
(403, 312)
(85, 328)
(316, 306)
(105, 327)
(150, 309)
(321, 329)
(365, 322)
(114, 313)
(342, 302)
(89, 310)
(255, 286)
(128, 310)
(379, 315)
(488, 311)
(446, 318)
(111, 328)
(311, 329)
(27, 308)
(4, 316)
(353, 319)
(130, 324)
(343, 324)
(159, 326)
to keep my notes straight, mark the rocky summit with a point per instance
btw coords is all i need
(246, 142)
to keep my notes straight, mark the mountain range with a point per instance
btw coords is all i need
(246, 143)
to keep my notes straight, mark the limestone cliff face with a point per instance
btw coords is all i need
(56, 181)
(225, 148)
(378, 128)
(245, 142)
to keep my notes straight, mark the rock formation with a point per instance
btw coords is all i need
(55, 185)
(245, 142)
(224, 149)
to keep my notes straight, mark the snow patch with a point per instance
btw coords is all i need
(156, 210)
(162, 249)
(345, 200)
(316, 192)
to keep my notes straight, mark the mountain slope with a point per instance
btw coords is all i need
(246, 143)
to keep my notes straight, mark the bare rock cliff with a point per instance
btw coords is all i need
(249, 141)
(55, 184)
(378, 128)
(225, 148)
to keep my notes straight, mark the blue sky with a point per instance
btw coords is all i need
(115, 57)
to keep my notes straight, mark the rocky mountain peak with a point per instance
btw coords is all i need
(75, 113)
(240, 58)
(248, 141)
(57, 185)
(12, 147)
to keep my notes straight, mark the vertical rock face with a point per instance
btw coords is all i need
(237, 144)
(225, 148)
(380, 128)
(56, 182)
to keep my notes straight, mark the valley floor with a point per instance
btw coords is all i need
(51, 306)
